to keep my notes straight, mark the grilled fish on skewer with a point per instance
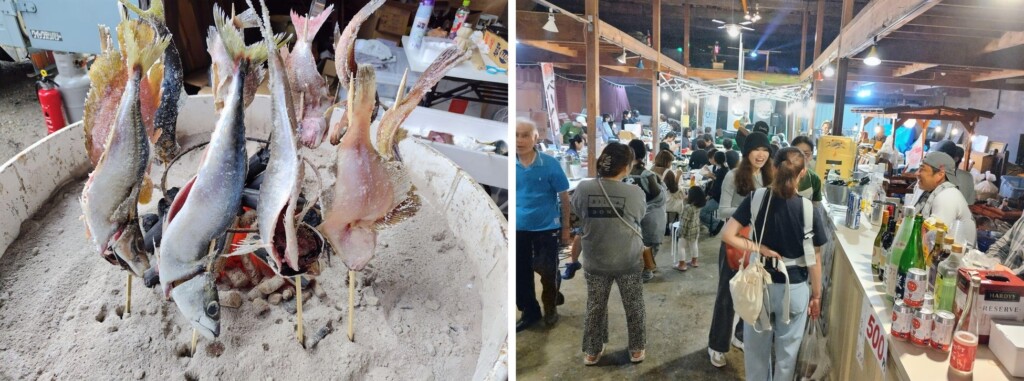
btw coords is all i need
(165, 120)
(309, 90)
(222, 66)
(345, 63)
(206, 206)
(108, 77)
(111, 195)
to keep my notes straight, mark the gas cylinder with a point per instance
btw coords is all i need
(73, 82)
(49, 99)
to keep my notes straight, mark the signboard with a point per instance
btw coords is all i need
(837, 152)
(550, 102)
(873, 336)
(710, 112)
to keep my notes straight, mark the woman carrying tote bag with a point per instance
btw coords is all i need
(610, 212)
(782, 237)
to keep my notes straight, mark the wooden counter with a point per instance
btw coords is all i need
(852, 286)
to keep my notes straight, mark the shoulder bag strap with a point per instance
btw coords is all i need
(612, 205)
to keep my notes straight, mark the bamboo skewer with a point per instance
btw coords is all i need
(128, 303)
(351, 303)
(195, 339)
(298, 308)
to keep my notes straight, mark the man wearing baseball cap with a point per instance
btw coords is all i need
(937, 196)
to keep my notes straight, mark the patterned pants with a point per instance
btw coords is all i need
(595, 323)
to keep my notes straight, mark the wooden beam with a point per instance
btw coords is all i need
(531, 27)
(911, 69)
(631, 44)
(770, 79)
(593, 85)
(819, 29)
(847, 14)
(1008, 40)
(803, 40)
(992, 76)
(945, 54)
(686, 34)
(876, 17)
(552, 47)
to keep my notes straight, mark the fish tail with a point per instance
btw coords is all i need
(142, 46)
(306, 27)
(361, 100)
(279, 39)
(234, 43)
(247, 19)
(155, 11)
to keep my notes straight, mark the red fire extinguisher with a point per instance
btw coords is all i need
(49, 99)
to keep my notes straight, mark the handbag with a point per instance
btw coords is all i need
(750, 285)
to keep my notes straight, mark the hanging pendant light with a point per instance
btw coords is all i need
(640, 64)
(550, 26)
(872, 59)
(622, 59)
(829, 71)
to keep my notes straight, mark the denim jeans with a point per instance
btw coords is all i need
(722, 326)
(758, 346)
(707, 213)
(536, 252)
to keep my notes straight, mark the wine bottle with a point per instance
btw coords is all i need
(890, 233)
(912, 256)
(877, 253)
(899, 245)
(965, 336)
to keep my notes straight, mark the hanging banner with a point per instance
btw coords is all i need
(550, 102)
(710, 112)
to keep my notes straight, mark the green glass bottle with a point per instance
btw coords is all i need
(878, 254)
(899, 245)
(912, 257)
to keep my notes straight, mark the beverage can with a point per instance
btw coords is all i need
(922, 327)
(916, 287)
(929, 301)
(942, 330)
(901, 320)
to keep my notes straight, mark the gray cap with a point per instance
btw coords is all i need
(939, 159)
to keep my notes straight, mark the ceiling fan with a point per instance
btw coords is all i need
(732, 28)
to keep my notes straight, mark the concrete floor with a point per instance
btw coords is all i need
(679, 307)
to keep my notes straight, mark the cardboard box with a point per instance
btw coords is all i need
(999, 298)
(982, 161)
(1007, 344)
(390, 22)
(497, 49)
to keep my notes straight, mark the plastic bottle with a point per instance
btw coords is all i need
(898, 246)
(460, 19)
(965, 336)
(945, 284)
(912, 257)
(420, 23)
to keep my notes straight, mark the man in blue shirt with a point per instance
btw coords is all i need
(541, 185)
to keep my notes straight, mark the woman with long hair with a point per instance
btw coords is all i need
(610, 212)
(779, 235)
(753, 172)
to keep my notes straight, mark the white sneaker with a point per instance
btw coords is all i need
(717, 358)
(736, 343)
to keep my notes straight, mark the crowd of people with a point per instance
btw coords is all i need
(760, 183)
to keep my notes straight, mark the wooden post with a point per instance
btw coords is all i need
(840, 98)
(686, 34)
(803, 40)
(655, 89)
(819, 29)
(593, 86)
(847, 12)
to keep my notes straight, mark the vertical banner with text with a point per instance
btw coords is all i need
(550, 102)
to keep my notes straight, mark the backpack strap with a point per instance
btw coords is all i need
(756, 200)
(809, 257)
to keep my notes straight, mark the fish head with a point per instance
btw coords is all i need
(197, 300)
(130, 249)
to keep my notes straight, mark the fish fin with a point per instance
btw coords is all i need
(146, 193)
(129, 206)
(306, 27)
(388, 131)
(247, 245)
(247, 19)
(337, 130)
(345, 43)
(179, 201)
(107, 75)
(142, 46)
(155, 11)
(234, 42)
(403, 211)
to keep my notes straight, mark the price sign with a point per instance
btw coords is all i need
(873, 334)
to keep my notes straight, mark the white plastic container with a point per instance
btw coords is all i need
(1007, 343)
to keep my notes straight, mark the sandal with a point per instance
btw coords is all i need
(694, 263)
(637, 357)
(684, 268)
(593, 359)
